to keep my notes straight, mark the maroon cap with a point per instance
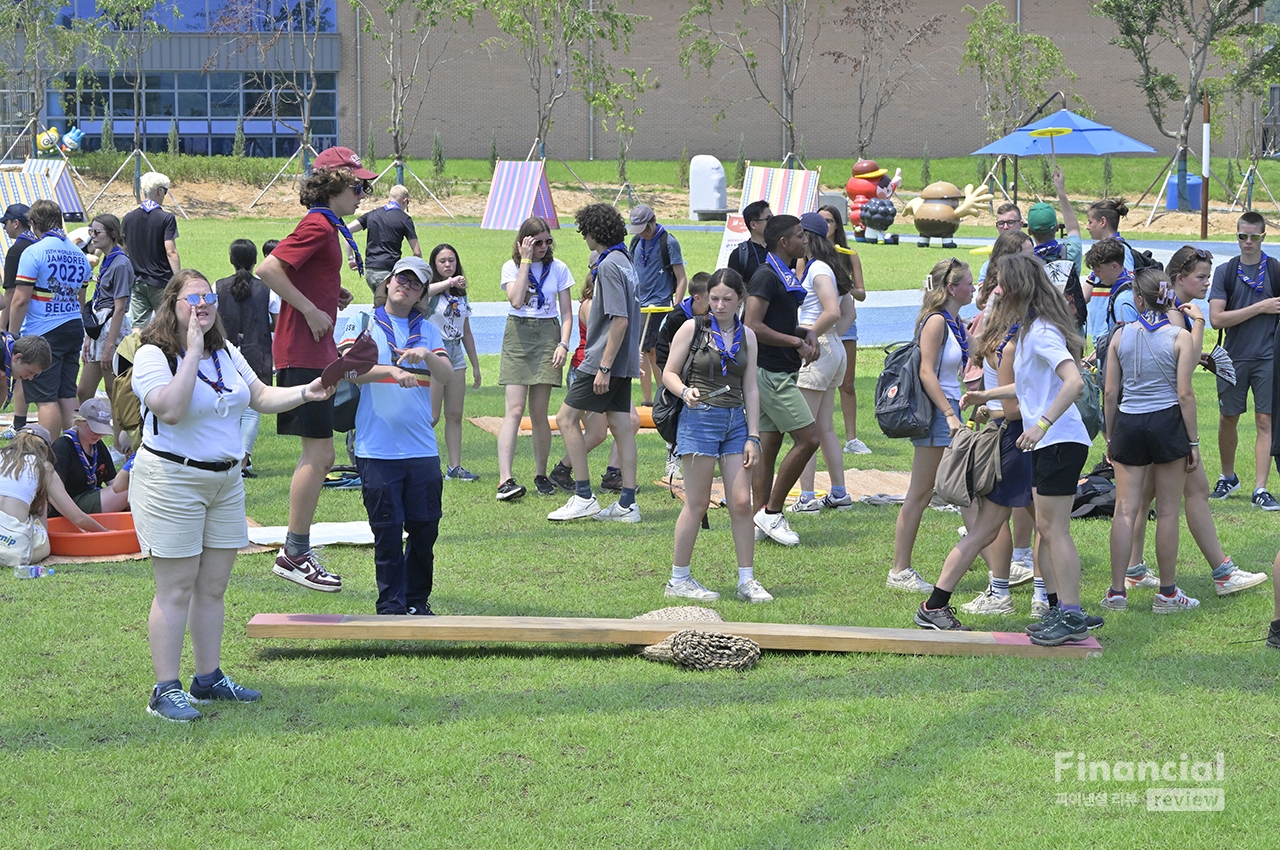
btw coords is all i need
(343, 158)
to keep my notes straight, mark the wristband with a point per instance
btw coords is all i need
(1195, 444)
(1043, 423)
(752, 438)
(563, 345)
(684, 395)
(525, 260)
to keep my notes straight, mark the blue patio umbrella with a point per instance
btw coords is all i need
(1087, 138)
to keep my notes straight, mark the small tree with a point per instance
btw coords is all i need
(682, 168)
(926, 176)
(622, 157)
(108, 144)
(371, 150)
(237, 144)
(437, 155)
(740, 167)
(493, 151)
(173, 137)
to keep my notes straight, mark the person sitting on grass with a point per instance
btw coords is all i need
(84, 464)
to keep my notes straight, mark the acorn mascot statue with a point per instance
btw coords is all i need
(871, 212)
(940, 207)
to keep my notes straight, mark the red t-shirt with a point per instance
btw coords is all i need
(313, 262)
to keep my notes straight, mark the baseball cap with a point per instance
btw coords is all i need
(641, 215)
(417, 265)
(37, 429)
(97, 415)
(814, 223)
(343, 158)
(15, 212)
(1041, 218)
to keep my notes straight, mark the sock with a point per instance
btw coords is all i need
(806, 495)
(769, 512)
(582, 489)
(678, 574)
(1052, 599)
(297, 544)
(1111, 593)
(745, 574)
(1259, 490)
(1231, 479)
(1000, 587)
(1168, 589)
(612, 470)
(209, 679)
(19, 421)
(938, 599)
(1039, 592)
(839, 492)
(1224, 569)
(1138, 570)
(628, 497)
(1025, 555)
(161, 687)
(1070, 608)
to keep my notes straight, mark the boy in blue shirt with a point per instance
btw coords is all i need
(395, 445)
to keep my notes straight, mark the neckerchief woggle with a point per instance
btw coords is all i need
(961, 335)
(729, 352)
(148, 206)
(415, 337)
(346, 234)
(788, 277)
(218, 386)
(652, 243)
(89, 472)
(1255, 285)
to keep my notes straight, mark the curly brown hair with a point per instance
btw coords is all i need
(166, 333)
(325, 184)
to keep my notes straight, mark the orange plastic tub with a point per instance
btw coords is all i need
(119, 539)
(646, 420)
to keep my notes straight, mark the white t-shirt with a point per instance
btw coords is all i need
(811, 307)
(1035, 373)
(558, 279)
(202, 434)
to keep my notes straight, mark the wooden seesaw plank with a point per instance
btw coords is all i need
(645, 632)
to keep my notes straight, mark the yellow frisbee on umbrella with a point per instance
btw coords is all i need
(1050, 133)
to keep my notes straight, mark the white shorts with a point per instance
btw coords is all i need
(179, 511)
(828, 370)
(97, 345)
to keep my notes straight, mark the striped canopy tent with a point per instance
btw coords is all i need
(21, 187)
(519, 190)
(789, 191)
(59, 176)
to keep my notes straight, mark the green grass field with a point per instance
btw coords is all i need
(409, 745)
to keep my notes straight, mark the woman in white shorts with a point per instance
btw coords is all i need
(449, 310)
(186, 490)
(849, 337)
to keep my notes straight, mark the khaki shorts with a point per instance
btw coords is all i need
(828, 370)
(528, 352)
(782, 407)
(179, 511)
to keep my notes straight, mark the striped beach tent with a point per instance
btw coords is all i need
(788, 191)
(519, 190)
(64, 186)
(21, 187)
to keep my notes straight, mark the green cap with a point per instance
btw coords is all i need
(1041, 218)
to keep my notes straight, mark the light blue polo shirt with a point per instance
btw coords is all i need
(394, 422)
(57, 270)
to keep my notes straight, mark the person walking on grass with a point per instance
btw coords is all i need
(535, 346)
(389, 227)
(849, 337)
(719, 425)
(774, 296)
(660, 275)
(151, 236)
(603, 382)
(447, 307)
(944, 352)
(17, 227)
(305, 270)
(1245, 300)
(110, 307)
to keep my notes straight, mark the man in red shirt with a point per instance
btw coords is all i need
(305, 270)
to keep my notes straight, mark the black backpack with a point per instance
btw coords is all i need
(1066, 277)
(1095, 497)
(662, 244)
(902, 407)
(1143, 260)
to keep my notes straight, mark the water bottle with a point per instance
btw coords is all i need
(31, 571)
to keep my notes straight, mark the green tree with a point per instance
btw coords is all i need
(493, 151)
(926, 176)
(561, 44)
(136, 24)
(740, 167)
(108, 135)
(706, 34)
(173, 144)
(237, 145)
(682, 168)
(437, 155)
(1155, 31)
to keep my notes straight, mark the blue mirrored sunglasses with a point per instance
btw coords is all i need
(210, 298)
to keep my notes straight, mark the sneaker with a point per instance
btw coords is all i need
(988, 603)
(1114, 601)
(1147, 578)
(844, 503)
(1273, 635)
(760, 535)
(1039, 608)
(856, 447)
(543, 485)
(1236, 580)
(776, 528)
(1264, 500)
(617, 513)
(1047, 617)
(805, 506)
(942, 620)
(674, 470)
(753, 591)
(307, 571)
(9, 433)
(459, 473)
(1173, 604)
(689, 589)
(908, 580)
(576, 508)
(1069, 626)
(1019, 573)
(173, 704)
(223, 689)
(509, 490)
(422, 609)
(1225, 487)
(562, 477)
(611, 481)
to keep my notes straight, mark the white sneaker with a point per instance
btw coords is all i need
(689, 589)
(1173, 604)
(776, 528)
(760, 535)
(753, 591)
(1149, 578)
(674, 471)
(1019, 573)
(576, 508)
(617, 513)
(856, 447)
(1039, 608)
(805, 506)
(1238, 579)
(908, 580)
(844, 503)
(988, 603)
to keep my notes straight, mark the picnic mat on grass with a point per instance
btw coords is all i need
(858, 482)
(493, 424)
(55, 560)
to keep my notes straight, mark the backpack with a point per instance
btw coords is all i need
(1143, 259)
(1095, 497)
(1090, 402)
(126, 407)
(667, 406)
(1064, 275)
(902, 407)
(1102, 345)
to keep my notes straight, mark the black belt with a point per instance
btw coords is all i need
(210, 465)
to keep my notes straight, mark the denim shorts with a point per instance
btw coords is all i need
(711, 431)
(939, 433)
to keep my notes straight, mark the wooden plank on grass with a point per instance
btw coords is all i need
(644, 632)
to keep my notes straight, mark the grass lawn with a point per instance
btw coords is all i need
(409, 745)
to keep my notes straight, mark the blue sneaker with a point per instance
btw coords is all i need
(1067, 626)
(172, 705)
(223, 689)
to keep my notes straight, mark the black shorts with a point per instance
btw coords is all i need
(1055, 470)
(650, 325)
(313, 420)
(582, 395)
(1141, 439)
(59, 380)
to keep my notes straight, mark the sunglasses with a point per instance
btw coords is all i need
(359, 189)
(1199, 256)
(95, 232)
(409, 281)
(549, 241)
(210, 298)
(1250, 237)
